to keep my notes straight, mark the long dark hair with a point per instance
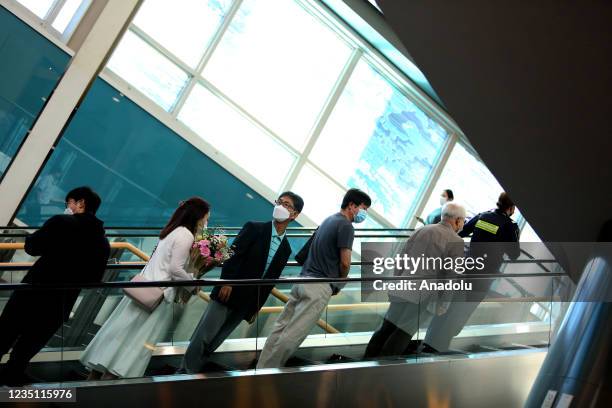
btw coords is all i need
(187, 215)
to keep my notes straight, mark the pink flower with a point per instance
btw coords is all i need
(204, 243)
(205, 251)
(218, 256)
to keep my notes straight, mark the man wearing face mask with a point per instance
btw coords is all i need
(494, 234)
(436, 215)
(329, 256)
(261, 251)
(30, 318)
(408, 308)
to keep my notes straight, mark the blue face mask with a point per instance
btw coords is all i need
(360, 216)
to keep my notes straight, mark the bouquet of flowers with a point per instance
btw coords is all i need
(209, 249)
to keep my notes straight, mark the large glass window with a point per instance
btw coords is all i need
(185, 27)
(38, 7)
(378, 140)
(147, 70)
(236, 137)
(280, 64)
(56, 16)
(140, 168)
(322, 197)
(32, 69)
(472, 183)
(65, 15)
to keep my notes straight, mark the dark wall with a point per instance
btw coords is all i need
(530, 85)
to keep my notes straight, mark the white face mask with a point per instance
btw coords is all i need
(280, 213)
(442, 200)
(68, 211)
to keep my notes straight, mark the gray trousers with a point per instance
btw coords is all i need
(217, 323)
(305, 305)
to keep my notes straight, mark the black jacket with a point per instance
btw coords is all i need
(72, 249)
(495, 234)
(251, 248)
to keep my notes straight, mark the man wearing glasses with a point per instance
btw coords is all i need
(261, 251)
(329, 256)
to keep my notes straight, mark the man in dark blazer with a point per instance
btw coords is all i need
(261, 251)
(73, 249)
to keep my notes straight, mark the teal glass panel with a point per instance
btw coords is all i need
(140, 168)
(31, 67)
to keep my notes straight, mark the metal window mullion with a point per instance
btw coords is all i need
(323, 15)
(399, 78)
(413, 93)
(53, 11)
(161, 49)
(218, 93)
(184, 94)
(69, 92)
(432, 180)
(219, 35)
(378, 217)
(326, 111)
(75, 20)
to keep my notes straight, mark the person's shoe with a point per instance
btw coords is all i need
(426, 348)
(16, 380)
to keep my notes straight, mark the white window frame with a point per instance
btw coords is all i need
(46, 23)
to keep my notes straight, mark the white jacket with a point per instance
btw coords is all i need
(169, 260)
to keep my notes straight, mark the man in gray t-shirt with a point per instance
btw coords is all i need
(329, 257)
(335, 234)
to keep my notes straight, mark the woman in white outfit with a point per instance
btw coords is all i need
(124, 344)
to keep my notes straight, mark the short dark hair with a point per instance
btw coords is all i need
(91, 198)
(187, 215)
(449, 194)
(298, 202)
(504, 202)
(357, 197)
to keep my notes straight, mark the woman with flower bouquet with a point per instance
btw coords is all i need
(124, 344)
(260, 251)
(209, 250)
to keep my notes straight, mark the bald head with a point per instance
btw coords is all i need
(454, 215)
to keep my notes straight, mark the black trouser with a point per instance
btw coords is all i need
(27, 323)
(394, 336)
(388, 340)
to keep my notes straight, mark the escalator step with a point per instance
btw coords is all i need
(338, 358)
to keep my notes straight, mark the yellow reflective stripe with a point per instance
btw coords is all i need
(487, 226)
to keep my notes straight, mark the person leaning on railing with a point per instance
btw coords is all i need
(124, 344)
(329, 256)
(72, 249)
(261, 250)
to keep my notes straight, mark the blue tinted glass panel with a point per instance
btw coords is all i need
(31, 67)
(378, 140)
(140, 168)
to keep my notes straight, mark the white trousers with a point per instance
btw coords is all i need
(305, 305)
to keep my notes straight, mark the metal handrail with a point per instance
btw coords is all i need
(230, 235)
(267, 282)
(222, 228)
(275, 292)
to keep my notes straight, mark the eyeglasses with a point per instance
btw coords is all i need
(285, 204)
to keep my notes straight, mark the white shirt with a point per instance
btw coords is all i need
(169, 260)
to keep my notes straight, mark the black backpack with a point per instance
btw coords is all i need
(302, 255)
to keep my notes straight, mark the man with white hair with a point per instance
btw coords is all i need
(407, 308)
